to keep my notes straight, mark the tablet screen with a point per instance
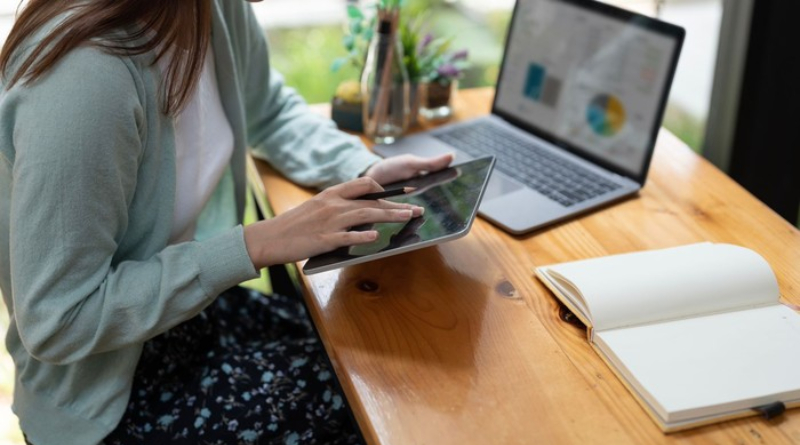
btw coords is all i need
(450, 198)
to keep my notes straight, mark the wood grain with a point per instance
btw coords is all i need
(460, 344)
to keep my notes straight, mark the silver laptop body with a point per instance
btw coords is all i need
(578, 105)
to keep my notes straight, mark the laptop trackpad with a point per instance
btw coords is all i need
(507, 212)
(499, 186)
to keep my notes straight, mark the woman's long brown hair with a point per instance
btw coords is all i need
(180, 29)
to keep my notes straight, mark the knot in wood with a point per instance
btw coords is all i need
(367, 286)
(505, 288)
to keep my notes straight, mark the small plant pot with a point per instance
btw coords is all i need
(346, 107)
(347, 115)
(436, 103)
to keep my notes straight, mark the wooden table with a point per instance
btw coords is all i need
(460, 344)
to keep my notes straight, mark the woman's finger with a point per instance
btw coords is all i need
(430, 164)
(366, 215)
(342, 239)
(355, 188)
(386, 204)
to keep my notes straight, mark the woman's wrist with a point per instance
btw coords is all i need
(254, 246)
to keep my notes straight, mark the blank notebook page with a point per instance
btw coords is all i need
(712, 364)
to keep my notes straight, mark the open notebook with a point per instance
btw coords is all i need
(697, 333)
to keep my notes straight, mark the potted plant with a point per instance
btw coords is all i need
(346, 104)
(440, 69)
(433, 70)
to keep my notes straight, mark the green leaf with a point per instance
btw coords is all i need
(349, 42)
(391, 4)
(354, 13)
(440, 46)
(338, 63)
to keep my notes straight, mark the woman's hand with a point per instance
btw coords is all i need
(402, 167)
(321, 224)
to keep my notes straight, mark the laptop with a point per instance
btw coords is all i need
(578, 105)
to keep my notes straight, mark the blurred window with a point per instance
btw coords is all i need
(306, 37)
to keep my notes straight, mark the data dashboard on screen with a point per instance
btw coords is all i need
(591, 80)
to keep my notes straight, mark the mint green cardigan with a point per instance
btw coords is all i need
(87, 190)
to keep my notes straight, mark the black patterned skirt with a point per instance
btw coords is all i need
(249, 369)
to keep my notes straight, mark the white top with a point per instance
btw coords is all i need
(203, 149)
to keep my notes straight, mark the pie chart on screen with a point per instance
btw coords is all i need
(605, 115)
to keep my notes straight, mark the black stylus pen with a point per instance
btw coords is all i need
(388, 193)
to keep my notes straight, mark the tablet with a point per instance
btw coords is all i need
(450, 197)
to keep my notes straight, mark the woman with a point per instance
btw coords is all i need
(123, 127)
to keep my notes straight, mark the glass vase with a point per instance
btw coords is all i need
(385, 86)
(414, 97)
(437, 100)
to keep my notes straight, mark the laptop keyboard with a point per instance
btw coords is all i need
(532, 165)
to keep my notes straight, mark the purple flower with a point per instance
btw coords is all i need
(459, 55)
(448, 71)
(424, 43)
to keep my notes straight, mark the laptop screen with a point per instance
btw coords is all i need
(589, 77)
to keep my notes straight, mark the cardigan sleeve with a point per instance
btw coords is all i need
(78, 138)
(281, 129)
